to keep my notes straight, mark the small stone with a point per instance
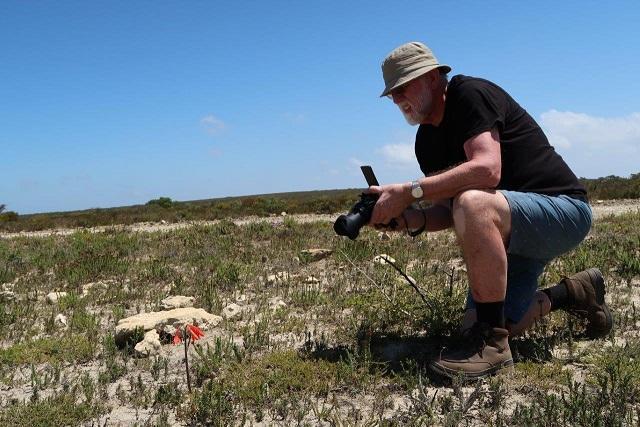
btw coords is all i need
(316, 254)
(7, 286)
(163, 222)
(149, 346)
(283, 213)
(60, 320)
(231, 311)
(276, 303)
(279, 277)
(402, 281)
(53, 297)
(177, 301)
(379, 259)
(6, 296)
(241, 298)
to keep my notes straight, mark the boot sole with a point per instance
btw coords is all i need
(502, 368)
(597, 280)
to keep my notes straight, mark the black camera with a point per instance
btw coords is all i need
(350, 224)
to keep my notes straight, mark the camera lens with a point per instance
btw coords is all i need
(349, 225)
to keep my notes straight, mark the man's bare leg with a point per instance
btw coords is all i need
(482, 221)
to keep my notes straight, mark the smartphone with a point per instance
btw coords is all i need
(369, 175)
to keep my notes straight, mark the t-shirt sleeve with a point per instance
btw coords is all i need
(477, 107)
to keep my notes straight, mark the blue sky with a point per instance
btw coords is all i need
(115, 103)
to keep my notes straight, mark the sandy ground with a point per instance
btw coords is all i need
(601, 208)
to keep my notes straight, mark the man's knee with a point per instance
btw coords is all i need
(481, 208)
(470, 201)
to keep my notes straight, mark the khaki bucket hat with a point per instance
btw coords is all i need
(407, 62)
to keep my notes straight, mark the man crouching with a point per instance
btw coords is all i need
(513, 202)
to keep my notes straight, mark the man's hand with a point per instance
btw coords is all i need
(392, 201)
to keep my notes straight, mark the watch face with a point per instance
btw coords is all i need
(416, 190)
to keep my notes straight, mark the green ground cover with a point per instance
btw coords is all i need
(349, 348)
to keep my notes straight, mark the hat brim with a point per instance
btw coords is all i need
(413, 75)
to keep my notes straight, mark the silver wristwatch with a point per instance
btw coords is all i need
(416, 190)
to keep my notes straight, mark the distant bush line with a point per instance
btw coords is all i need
(613, 187)
(165, 209)
(318, 202)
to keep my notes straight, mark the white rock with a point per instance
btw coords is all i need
(241, 298)
(53, 297)
(283, 213)
(163, 222)
(6, 296)
(276, 303)
(402, 281)
(149, 346)
(159, 320)
(231, 311)
(60, 320)
(8, 287)
(279, 277)
(177, 301)
(379, 259)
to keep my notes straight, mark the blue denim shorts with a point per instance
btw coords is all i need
(542, 228)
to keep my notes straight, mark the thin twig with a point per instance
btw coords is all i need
(408, 279)
(451, 277)
(403, 311)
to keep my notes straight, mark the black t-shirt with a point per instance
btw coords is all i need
(473, 106)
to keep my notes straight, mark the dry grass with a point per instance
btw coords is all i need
(349, 348)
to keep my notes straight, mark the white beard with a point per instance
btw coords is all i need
(409, 118)
(416, 114)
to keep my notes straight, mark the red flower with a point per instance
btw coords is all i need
(177, 337)
(195, 332)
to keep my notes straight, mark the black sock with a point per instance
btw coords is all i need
(491, 313)
(558, 295)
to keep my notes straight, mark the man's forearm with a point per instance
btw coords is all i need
(448, 184)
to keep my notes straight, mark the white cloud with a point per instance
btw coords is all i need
(212, 125)
(617, 133)
(595, 146)
(398, 154)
